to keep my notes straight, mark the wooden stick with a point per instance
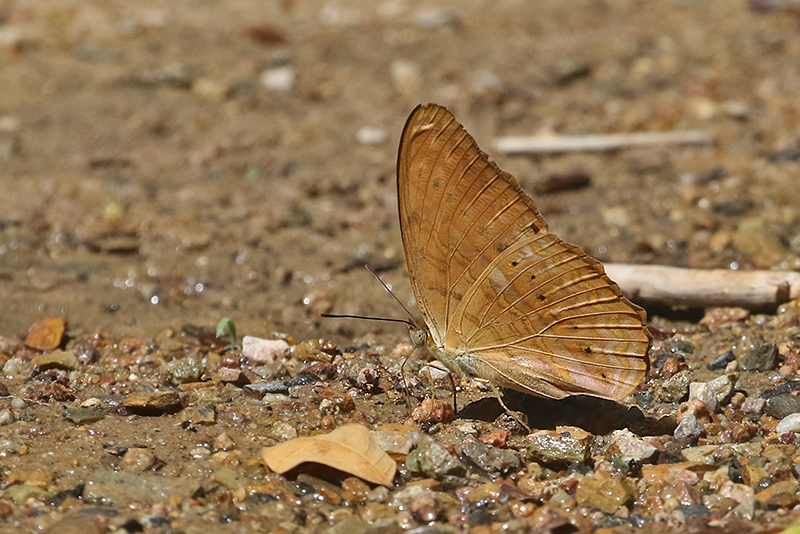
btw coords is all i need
(541, 144)
(700, 288)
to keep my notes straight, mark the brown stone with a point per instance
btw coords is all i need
(601, 490)
(783, 494)
(153, 402)
(46, 333)
(63, 359)
(74, 524)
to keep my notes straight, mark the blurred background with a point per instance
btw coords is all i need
(171, 163)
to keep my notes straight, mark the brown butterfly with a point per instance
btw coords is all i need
(503, 299)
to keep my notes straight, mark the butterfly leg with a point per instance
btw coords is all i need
(516, 416)
(403, 378)
(438, 365)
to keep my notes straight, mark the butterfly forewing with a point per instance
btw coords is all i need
(502, 297)
(457, 212)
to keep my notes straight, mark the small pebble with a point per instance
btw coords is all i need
(278, 79)
(790, 423)
(46, 333)
(83, 415)
(721, 361)
(434, 461)
(16, 366)
(184, 370)
(754, 405)
(223, 442)
(760, 359)
(200, 452)
(153, 402)
(55, 360)
(560, 446)
(369, 135)
(626, 447)
(688, 429)
(406, 76)
(711, 393)
(20, 493)
(264, 351)
(283, 431)
(392, 442)
(675, 388)
(601, 490)
(781, 406)
(490, 460)
(262, 388)
(234, 376)
(200, 415)
(139, 460)
(436, 17)
(6, 417)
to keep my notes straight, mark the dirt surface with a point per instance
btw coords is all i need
(165, 165)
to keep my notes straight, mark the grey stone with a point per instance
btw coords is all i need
(780, 406)
(561, 448)
(434, 461)
(674, 388)
(688, 429)
(760, 359)
(490, 459)
(184, 370)
(122, 489)
(754, 405)
(626, 447)
(721, 361)
(82, 415)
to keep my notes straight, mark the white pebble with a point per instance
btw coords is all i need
(406, 76)
(278, 79)
(369, 135)
(200, 452)
(264, 351)
(436, 17)
(790, 423)
(711, 393)
(486, 83)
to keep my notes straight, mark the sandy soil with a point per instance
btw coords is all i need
(169, 164)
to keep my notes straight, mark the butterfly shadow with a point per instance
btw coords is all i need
(598, 416)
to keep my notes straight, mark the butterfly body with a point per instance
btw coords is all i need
(503, 299)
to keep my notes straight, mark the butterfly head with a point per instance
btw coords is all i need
(418, 331)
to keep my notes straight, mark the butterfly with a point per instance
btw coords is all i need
(504, 300)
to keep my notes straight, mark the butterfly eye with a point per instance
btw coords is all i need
(419, 336)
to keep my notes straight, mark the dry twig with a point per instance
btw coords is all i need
(540, 144)
(704, 288)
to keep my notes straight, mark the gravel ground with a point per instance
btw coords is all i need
(166, 165)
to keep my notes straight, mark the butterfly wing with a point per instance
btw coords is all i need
(458, 210)
(545, 319)
(508, 301)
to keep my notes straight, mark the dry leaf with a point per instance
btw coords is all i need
(46, 333)
(350, 448)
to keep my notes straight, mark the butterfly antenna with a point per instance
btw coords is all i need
(368, 318)
(412, 320)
